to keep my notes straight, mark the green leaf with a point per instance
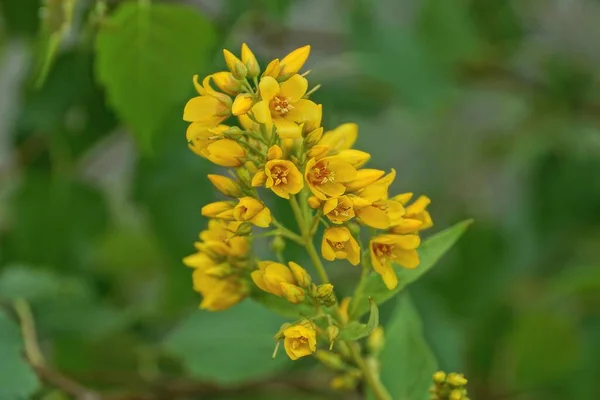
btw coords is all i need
(147, 55)
(430, 252)
(407, 362)
(355, 330)
(229, 346)
(17, 380)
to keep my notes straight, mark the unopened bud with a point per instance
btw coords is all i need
(235, 65)
(249, 61)
(272, 69)
(331, 360)
(325, 294)
(219, 271)
(376, 341)
(346, 382)
(439, 377)
(332, 333)
(292, 293)
(456, 380)
(259, 179)
(354, 228)
(456, 394)
(242, 104)
(244, 175)
(274, 153)
(278, 244)
(244, 229)
(300, 275)
(313, 137)
(319, 151)
(233, 132)
(225, 185)
(314, 202)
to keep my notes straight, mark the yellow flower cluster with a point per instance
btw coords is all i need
(279, 145)
(450, 386)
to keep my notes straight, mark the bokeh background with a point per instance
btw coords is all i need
(490, 107)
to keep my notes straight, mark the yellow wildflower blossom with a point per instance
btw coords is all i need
(364, 177)
(339, 243)
(252, 210)
(341, 138)
(283, 178)
(242, 104)
(300, 340)
(372, 206)
(388, 249)
(217, 294)
(210, 108)
(219, 209)
(326, 177)
(339, 209)
(210, 144)
(270, 275)
(282, 105)
(416, 217)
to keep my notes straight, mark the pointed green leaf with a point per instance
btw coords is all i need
(407, 362)
(356, 330)
(430, 252)
(146, 57)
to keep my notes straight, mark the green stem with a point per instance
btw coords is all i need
(379, 391)
(299, 216)
(285, 232)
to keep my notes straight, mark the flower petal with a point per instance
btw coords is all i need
(294, 88)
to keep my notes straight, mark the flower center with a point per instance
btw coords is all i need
(279, 175)
(342, 210)
(299, 342)
(281, 105)
(337, 245)
(383, 251)
(320, 175)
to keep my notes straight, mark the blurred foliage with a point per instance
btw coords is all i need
(490, 107)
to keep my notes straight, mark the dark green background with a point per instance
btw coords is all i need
(491, 108)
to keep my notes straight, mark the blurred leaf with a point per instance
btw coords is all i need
(355, 330)
(407, 362)
(545, 346)
(282, 306)
(17, 379)
(57, 230)
(147, 55)
(20, 17)
(229, 346)
(430, 252)
(19, 281)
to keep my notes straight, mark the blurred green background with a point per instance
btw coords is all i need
(490, 107)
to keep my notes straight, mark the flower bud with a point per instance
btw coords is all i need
(219, 209)
(332, 333)
(235, 65)
(244, 229)
(278, 245)
(325, 294)
(242, 104)
(225, 185)
(244, 175)
(292, 293)
(439, 377)
(259, 179)
(313, 137)
(272, 69)
(249, 61)
(456, 394)
(292, 63)
(376, 341)
(314, 202)
(457, 380)
(226, 153)
(219, 271)
(300, 274)
(274, 153)
(346, 382)
(331, 360)
(226, 82)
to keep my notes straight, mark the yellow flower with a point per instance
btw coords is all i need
(210, 108)
(217, 294)
(252, 210)
(372, 206)
(272, 69)
(270, 275)
(209, 143)
(219, 238)
(293, 62)
(283, 105)
(300, 275)
(339, 243)
(225, 185)
(283, 178)
(235, 65)
(326, 177)
(388, 249)
(226, 82)
(242, 104)
(219, 209)
(416, 218)
(338, 210)
(364, 177)
(340, 138)
(356, 158)
(300, 340)
(249, 61)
